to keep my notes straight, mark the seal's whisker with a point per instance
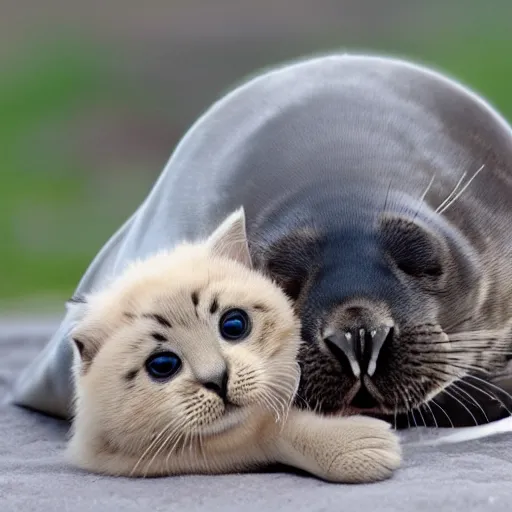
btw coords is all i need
(463, 405)
(387, 195)
(452, 193)
(408, 420)
(490, 384)
(414, 418)
(443, 411)
(441, 381)
(426, 404)
(422, 197)
(442, 210)
(421, 415)
(407, 404)
(490, 395)
(457, 364)
(457, 323)
(458, 382)
(456, 387)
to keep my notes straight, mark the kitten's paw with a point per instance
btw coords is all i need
(367, 451)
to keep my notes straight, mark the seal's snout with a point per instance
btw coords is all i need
(360, 345)
(356, 333)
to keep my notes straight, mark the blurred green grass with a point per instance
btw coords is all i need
(53, 217)
(56, 213)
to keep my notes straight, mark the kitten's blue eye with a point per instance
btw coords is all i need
(234, 325)
(163, 365)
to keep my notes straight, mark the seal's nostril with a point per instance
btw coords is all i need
(360, 346)
(342, 348)
(378, 337)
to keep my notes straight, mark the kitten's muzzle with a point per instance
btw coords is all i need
(361, 345)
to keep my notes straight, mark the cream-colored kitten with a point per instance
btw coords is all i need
(187, 364)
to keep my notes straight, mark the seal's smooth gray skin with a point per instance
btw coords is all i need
(379, 195)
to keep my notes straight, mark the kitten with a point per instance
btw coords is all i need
(186, 363)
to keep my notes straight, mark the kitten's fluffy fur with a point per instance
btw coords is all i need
(126, 423)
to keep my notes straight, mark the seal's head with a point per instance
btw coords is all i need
(384, 296)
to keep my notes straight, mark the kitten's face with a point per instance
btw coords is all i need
(182, 349)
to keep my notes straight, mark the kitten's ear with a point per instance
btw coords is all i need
(85, 342)
(81, 336)
(229, 240)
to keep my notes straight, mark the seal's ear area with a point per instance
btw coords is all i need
(229, 240)
(414, 248)
(290, 260)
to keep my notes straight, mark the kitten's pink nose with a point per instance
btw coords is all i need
(218, 384)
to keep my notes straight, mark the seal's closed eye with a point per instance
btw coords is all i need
(413, 248)
(288, 260)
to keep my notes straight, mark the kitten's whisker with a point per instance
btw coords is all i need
(264, 396)
(304, 402)
(177, 440)
(201, 446)
(180, 450)
(190, 443)
(285, 401)
(150, 447)
(171, 435)
(287, 389)
(172, 451)
(271, 400)
(247, 372)
(174, 432)
(281, 405)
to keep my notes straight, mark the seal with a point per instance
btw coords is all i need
(378, 195)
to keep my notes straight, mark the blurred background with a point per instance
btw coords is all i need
(95, 95)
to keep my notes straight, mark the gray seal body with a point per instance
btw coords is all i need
(378, 193)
